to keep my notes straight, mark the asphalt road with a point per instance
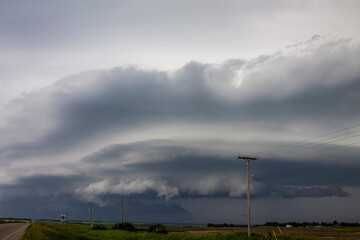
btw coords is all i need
(12, 231)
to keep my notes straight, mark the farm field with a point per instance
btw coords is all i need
(13, 221)
(308, 232)
(40, 231)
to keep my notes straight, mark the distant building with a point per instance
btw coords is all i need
(289, 225)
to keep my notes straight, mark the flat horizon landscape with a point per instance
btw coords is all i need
(175, 232)
(191, 118)
(309, 230)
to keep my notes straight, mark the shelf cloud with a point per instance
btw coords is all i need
(174, 135)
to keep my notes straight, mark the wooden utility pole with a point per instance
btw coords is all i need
(122, 209)
(248, 188)
(76, 215)
(91, 214)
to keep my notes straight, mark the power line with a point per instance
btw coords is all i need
(306, 140)
(319, 143)
(277, 149)
(337, 146)
(313, 144)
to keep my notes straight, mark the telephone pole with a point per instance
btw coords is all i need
(76, 215)
(248, 188)
(91, 214)
(122, 209)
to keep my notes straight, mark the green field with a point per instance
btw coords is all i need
(39, 231)
(13, 221)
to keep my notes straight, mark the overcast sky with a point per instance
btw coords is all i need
(154, 100)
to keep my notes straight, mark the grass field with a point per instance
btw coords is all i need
(334, 233)
(13, 221)
(38, 231)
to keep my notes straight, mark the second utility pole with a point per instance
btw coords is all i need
(248, 189)
(91, 214)
(122, 209)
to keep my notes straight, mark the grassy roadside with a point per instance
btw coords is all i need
(13, 221)
(38, 231)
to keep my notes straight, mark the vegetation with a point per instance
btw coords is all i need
(13, 221)
(344, 224)
(313, 224)
(157, 228)
(99, 227)
(126, 226)
(39, 231)
(220, 225)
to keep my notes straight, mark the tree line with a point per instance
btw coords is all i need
(293, 224)
(313, 224)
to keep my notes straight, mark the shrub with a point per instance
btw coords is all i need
(220, 225)
(125, 226)
(99, 227)
(157, 228)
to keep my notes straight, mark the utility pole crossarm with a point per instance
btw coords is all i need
(247, 158)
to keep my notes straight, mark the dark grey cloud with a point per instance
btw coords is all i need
(178, 164)
(329, 104)
(194, 173)
(292, 192)
(272, 93)
(49, 196)
(171, 136)
(40, 196)
(138, 208)
(306, 173)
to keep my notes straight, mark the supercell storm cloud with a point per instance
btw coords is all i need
(168, 139)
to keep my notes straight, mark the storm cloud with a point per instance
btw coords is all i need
(291, 192)
(175, 135)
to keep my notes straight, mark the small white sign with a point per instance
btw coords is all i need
(62, 217)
